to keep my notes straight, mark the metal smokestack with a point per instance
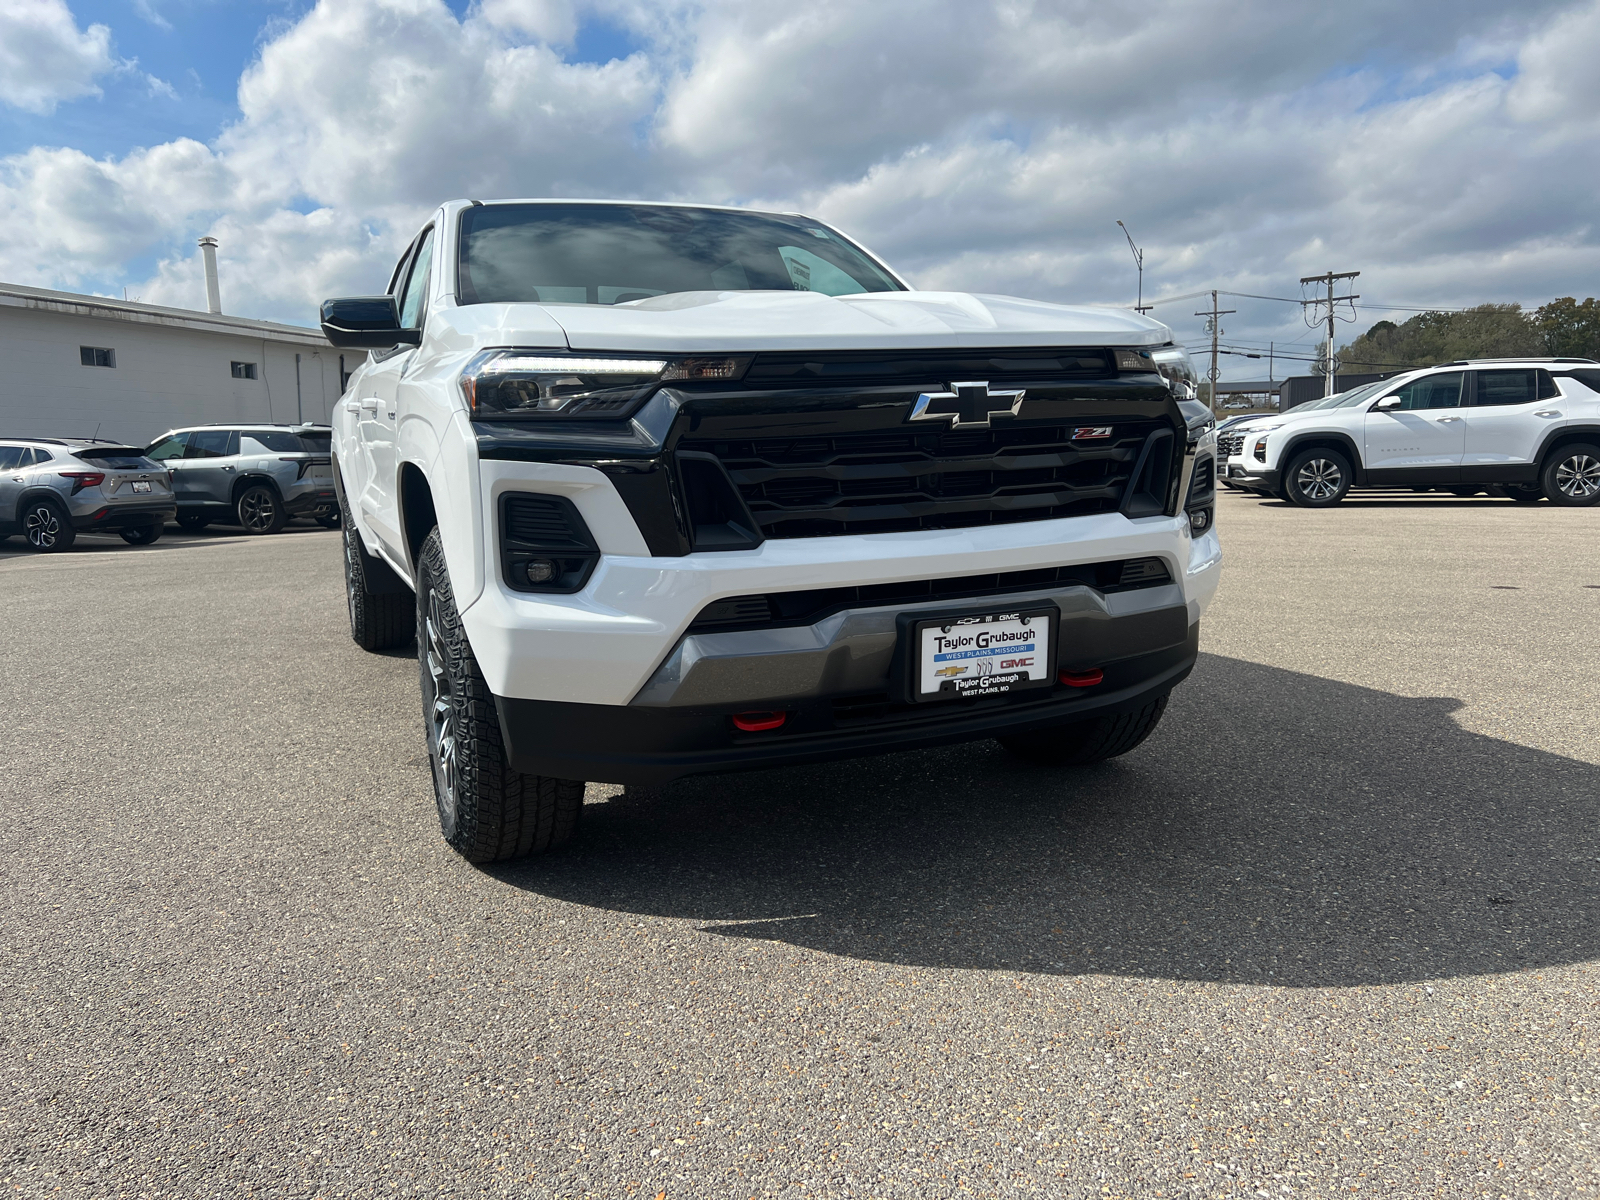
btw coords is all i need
(208, 248)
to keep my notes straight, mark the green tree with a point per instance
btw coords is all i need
(1570, 329)
(1486, 331)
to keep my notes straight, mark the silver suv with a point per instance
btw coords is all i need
(52, 489)
(257, 476)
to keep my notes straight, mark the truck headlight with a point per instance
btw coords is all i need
(515, 384)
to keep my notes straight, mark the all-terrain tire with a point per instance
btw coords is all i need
(487, 811)
(1084, 742)
(1317, 478)
(378, 620)
(143, 535)
(1571, 475)
(46, 526)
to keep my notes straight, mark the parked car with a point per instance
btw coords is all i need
(1528, 426)
(257, 476)
(665, 490)
(1231, 445)
(52, 489)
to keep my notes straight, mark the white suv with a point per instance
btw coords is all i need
(1530, 427)
(666, 490)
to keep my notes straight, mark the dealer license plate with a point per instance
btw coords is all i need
(141, 485)
(988, 654)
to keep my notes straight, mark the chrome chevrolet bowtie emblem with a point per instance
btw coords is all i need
(966, 405)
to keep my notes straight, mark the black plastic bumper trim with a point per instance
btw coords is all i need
(604, 743)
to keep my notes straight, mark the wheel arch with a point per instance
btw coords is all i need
(1564, 436)
(417, 513)
(250, 480)
(39, 492)
(1342, 442)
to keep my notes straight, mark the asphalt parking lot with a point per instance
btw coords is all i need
(1332, 930)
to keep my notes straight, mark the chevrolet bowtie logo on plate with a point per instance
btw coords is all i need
(966, 405)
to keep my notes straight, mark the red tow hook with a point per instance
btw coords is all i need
(1082, 678)
(758, 722)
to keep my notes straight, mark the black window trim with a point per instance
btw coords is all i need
(397, 287)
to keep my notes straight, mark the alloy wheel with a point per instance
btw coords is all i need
(1579, 477)
(256, 509)
(41, 527)
(439, 708)
(1319, 479)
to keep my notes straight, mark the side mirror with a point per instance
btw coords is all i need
(365, 323)
(1388, 404)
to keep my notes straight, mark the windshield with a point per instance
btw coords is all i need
(617, 253)
(1357, 395)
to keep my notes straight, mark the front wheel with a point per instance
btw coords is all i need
(1084, 742)
(1317, 478)
(259, 510)
(487, 811)
(47, 527)
(378, 620)
(1572, 476)
(142, 535)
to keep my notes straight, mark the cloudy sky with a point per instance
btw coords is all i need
(1444, 148)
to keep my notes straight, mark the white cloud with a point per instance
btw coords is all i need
(1445, 149)
(45, 58)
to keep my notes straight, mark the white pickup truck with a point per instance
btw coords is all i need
(665, 490)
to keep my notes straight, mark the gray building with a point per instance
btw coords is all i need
(85, 366)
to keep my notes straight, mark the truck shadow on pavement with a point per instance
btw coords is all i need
(1279, 828)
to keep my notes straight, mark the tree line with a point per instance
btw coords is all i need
(1564, 328)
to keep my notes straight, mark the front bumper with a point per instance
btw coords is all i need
(1261, 479)
(604, 644)
(644, 746)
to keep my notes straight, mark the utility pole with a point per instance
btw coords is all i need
(1138, 260)
(1271, 348)
(1331, 301)
(1214, 328)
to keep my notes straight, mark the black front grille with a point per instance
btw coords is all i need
(887, 481)
(810, 606)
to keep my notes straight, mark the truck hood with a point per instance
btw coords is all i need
(713, 321)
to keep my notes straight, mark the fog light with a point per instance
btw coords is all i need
(540, 570)
(1199, 520)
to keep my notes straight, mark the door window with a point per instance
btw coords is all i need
(411, 304)
(213, 443)
(10, 457)
(1432, 391)
(168, 447)
(1507, 387)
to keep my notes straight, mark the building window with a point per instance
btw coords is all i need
(97, 356)
(244, 370)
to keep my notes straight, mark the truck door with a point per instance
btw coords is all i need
(377, 413)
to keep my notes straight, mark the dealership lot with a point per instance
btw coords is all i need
(1332, 928)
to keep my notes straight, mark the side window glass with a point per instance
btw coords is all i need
(1432, 391)
(168, 447)
(411, 303)
(10, 457)
(35, 456)
(1547, 386)
(209, 443)
(1507, 387)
